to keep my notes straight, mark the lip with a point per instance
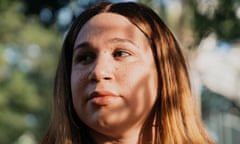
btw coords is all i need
(102, 97)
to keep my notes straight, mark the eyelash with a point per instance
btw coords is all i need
(88, 57)
(121, 53)
(85, 58)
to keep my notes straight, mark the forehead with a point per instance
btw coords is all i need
(109, 25)
(106, 21)
(108, 18)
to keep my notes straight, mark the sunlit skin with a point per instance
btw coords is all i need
(113, 79)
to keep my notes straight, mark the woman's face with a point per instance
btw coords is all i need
(114, 78)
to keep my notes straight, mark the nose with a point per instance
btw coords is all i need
(102, 69)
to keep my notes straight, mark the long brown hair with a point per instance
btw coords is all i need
(174, 118)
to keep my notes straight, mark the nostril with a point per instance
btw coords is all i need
(98, 79)
(107, 78)
(97, 76)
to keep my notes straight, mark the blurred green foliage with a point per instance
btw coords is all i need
(29, 52)
(28, 59)
(219, 16)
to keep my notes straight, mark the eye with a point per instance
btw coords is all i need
(85, 58)
(121, 53)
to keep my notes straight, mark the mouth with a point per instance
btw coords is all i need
(103, 97)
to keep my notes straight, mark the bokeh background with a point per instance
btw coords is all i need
(32, 31)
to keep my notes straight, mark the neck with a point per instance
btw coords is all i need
(126, 138)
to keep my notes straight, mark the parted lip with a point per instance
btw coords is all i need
(101, 93)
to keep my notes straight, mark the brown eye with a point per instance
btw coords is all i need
(121, 53)
(85, 58)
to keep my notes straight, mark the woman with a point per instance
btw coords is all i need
(122, 79)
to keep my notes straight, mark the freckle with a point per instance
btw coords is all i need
(117, 68)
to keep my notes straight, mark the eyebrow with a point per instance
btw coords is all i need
(114, 40)
(122, 40)
(83, 45)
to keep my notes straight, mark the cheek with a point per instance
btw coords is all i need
(78, 83)
(141, 92)
(78, 88)
(140, 84)
(78, 77)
